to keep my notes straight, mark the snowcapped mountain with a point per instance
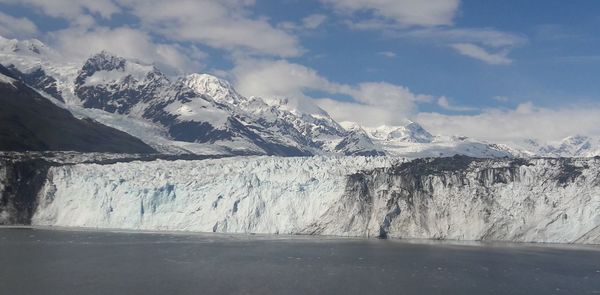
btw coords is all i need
(30, 122)
(196, 109)
(200, 113)
(41, 67)
(413, 141)
(410, 132)
(572, 146)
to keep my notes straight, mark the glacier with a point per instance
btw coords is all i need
(459, 198)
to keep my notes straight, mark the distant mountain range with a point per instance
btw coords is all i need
(202, 114)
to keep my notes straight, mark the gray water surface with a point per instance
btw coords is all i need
(40, 261)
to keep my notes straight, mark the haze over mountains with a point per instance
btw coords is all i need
(202, 114)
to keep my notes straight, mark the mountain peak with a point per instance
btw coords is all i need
(218, 89)
(105, 68)
(575, 140)
(30, 47)
(104, 61)
(409, 132)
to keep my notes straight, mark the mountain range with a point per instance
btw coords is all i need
(203, 114)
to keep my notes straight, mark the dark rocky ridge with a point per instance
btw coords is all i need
(21, 182)
(38, 79)
(30, 122)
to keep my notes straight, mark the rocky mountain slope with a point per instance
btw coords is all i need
(29, 121)
(200, 113)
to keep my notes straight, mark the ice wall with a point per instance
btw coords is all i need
(539, 200)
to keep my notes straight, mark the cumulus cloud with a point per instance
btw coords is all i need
(14, 27)
(219, 24)
(486, 45)
(444, 103)
(365, 115)
(278, 78)
(70, 9)
(524, 122)
(78, 43)
(401, 12)
(374, 104)
(313, 21)
(431, 21)
(476, 52)
(369, 103)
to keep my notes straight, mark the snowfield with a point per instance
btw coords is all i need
(538, 200)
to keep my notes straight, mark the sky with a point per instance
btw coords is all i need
(494, 70)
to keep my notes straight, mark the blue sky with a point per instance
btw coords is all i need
(448, 64)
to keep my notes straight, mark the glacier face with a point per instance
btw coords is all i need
(537, 200)
(256, 194)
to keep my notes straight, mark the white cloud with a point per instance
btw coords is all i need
(365, 115)
(444, 102)
(374, 104)
(501, 98)
(219, 24)
(394, 97)
(278, 78)
(313, 21)
(525, 121)
(70, 9)
(483, 37)
(14, 27)
(80, 43)
(487, 45)
(476, 52)
(387, 54)
(226, 24)
(476, 43)
(402, 12)
(369, 103)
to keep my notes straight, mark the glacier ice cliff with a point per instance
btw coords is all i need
(532, 200)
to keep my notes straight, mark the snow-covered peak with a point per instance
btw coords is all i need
(411, 132)
(106, 68)
(24, 47)
(357, 142)
(349, 126)
(576, 140)
(296, 106)
(105, 61)
(218, 89)
(575, 146)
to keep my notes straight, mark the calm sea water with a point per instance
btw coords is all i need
(39, 261)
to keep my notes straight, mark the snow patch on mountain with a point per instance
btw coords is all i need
(572, 146)
(203, 109)
(220, 90)
(198, 110)
(410, 132)
(6, 79)
(29, 56)
(137, 72)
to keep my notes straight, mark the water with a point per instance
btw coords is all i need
(39, 261)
